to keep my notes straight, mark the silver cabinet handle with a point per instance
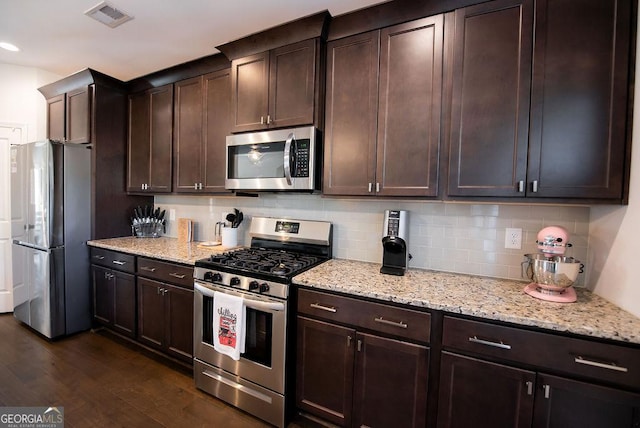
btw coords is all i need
(611, 366)
(547, 391)
(534, 186)
(177, 275)
(500, 345)
(118, 262)
(323, 308)
(370, 187)
(261, 120)
(377, 187)
(349, 339)
(269, 119)
(529, 387)
(148, 269)
(392, 323)
(99, 257)
(521, 186)
(359, 345)
(195, 186)
(158, 290)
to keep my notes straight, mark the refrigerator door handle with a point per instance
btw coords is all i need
(29, 245)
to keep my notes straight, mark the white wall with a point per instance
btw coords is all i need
(614, 235)
(21, 103)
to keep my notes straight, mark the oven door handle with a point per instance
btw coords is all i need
(249, 303)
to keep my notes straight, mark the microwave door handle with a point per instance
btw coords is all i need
(287, 159)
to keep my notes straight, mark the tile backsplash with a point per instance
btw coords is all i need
(453, 237)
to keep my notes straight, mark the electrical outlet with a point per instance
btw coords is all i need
(513, 238)
(172, 214)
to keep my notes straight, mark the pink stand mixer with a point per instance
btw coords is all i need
(552, 273)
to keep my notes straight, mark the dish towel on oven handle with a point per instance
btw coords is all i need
(229, 327)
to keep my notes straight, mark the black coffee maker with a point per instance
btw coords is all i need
(395, 245)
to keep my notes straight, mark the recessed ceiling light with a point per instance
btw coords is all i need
(9, 47)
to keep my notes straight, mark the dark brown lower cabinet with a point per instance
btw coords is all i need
(479, 394)
(569, 403)
(114, 299)
(355, 379)
(165, 318)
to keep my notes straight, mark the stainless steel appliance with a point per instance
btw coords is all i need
(284, 159)
(395, 242)
(51, 196)
(261, 274)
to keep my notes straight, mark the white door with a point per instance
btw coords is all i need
(9, 134)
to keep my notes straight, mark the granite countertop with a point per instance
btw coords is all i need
(169, 249)
(489, 298)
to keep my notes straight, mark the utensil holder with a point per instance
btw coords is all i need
(229, 237)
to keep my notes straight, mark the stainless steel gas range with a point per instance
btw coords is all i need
(261, 274)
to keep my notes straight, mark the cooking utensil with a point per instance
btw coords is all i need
(231, 218)
(555, 273)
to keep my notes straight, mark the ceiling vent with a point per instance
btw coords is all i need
(108, 14)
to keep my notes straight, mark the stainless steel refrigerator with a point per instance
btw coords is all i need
(51, 223)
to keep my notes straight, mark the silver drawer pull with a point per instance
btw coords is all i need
(393, 323)
(177, 275)
(148, 269)
(99, 257)
(118, 262)
(611, 366)
(323, 308)
(500, 345)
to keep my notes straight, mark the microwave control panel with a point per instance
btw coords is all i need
(302, 159)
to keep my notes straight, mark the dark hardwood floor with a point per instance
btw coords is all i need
(101, 381)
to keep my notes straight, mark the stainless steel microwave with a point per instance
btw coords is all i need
(279, 160)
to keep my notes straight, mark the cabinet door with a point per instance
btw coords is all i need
(351, 112)
(139, 149)
(78, 116)
(151, 313)
(187, 144)
(124, 303)
(55, 118)
(579, 98)
(571, 404)
(409, 109)
(103, 292)
(179, 322)
(161, 110)
(292, 83)
(217, 125)
(325, 370)
(490, 99)
(480, 394)
(390, 387)
(250, 92)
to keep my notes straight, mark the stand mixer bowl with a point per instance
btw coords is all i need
(553, 272)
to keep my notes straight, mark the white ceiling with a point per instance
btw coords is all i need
(56, 36)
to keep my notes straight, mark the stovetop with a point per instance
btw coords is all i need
(262, 263)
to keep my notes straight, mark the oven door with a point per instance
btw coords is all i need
(264, 357)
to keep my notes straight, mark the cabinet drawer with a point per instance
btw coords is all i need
(405, 323)
(581, 357)
(166, 272)
(113, 259)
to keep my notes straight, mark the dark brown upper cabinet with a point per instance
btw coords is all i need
(202, 112)
(383, 111)
(276, 88)
(543, 117)
(69, 116)
(89, 107)
(150, 138)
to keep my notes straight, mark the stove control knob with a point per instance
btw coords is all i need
(264, 287)
(212, 277)
(234, 281)
(253, 285)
